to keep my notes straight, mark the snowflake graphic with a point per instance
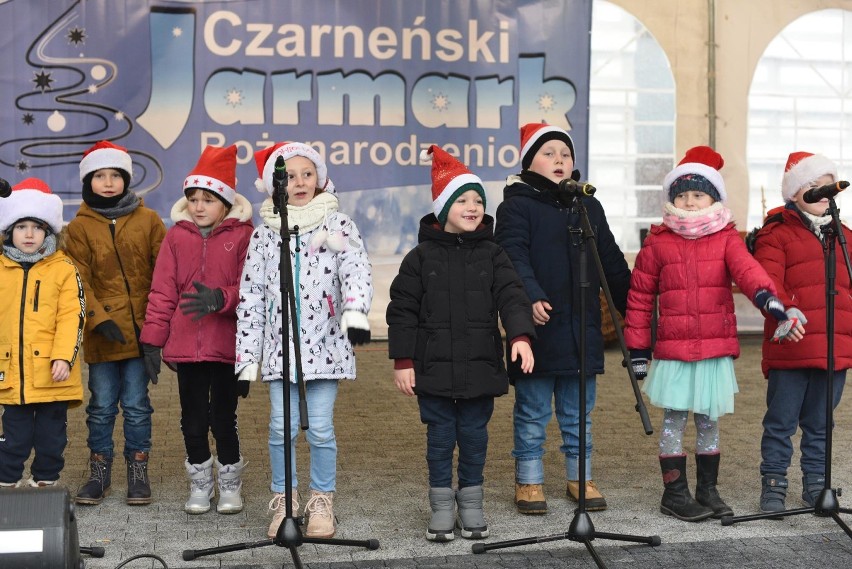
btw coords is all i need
(42, 81)
(22, 166)
(546, 102)
(28, 118)
(119, 115)
(440, 102)
(76, 35)
(177, 32)
(92, 89)
(234, 97)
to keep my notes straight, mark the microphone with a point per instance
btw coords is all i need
(5, 189)
(279, 175)
(574, 188)
(815, 195)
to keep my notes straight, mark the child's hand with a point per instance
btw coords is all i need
(60, 370)
(540, 310)
(798, 331)
(523, 350)
(404, 380)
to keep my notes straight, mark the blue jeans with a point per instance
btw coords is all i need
(450, 422)
(111, 383)
(532, 413)
(320, 395)
(39, 426)
(796, 398)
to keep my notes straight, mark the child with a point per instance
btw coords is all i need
(465, 279)
(114, 240)
(689, 262)
(41, 325)
(201, 261)
(535, 229)
(790, 248)
(333, 287)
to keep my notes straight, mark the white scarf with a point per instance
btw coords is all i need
(307, 217)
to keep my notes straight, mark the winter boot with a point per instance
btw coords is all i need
(201, 488)
(706, 494)
(278, 507)
(319, 515)
(9, 485)
(529, 498)
(97, 487)
(230, 484)
(30, 483)
(677, 501)
(812, 486)
(595, 501)
(138, 485)
(442, 502)
(471, 519)
(773, 491)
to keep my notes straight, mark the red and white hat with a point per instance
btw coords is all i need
(533, 137)
(803, 168)
(215, 172)
(105, 154)
(31, 198)
(266, 158)
(450, 178)
(703, 161)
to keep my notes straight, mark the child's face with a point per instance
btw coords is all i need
(821, 206)
(205, 209)
(28, 236)
(553, 161)
(692, 200)
(107, 182)
(466, 213)
(301, 180)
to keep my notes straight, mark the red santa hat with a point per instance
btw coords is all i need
(450, 179)
(533, 137)
(215, 172)
(701, 161)
(803, 168)
(105, 154)
(266, 158)
(31, 199)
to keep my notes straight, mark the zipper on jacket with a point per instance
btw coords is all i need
(126, 286)
(35, 300)
(21, 335)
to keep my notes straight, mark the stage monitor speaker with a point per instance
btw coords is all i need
(38, 530)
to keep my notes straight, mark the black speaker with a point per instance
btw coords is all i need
(38, 530)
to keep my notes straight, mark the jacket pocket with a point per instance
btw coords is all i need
(40, 358)
(6, 381)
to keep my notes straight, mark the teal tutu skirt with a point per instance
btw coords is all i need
(707, 386)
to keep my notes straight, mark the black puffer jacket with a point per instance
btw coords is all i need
(443, 312)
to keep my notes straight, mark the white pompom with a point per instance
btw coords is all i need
(425, 155)
(260, 186)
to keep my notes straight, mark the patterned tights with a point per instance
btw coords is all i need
(674, 425)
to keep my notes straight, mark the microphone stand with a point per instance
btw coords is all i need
(289, 534)
(581, 528)
(826, 505)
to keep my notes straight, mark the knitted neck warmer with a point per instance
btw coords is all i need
(124, 206)
(816, 222)
(538, 181)
(695, 224)
(47, 248)
(307, 217)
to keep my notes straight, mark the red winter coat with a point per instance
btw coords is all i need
(217, 262)
(696, 305)
(792, 255)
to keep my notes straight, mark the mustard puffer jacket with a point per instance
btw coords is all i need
(116, 259)
(41, 319)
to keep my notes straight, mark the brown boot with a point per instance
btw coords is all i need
(595, 501)
(319, 514)
(529, 498)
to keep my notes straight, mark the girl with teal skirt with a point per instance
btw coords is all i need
(689, 262)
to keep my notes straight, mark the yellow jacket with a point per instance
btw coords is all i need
(42, 314)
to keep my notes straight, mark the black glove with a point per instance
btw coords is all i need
(152, 361)
(639, 360)
(110, 330)
(355, 326)
(205, 301)
(771, 304)
(358, 336)
(243, 388)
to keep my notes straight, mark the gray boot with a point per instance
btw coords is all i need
(812, 487)
(201, 489)
(471, 519)
(230, 483)
(773, 492)
(442, 502)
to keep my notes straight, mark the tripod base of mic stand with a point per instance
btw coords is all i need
(581, 530)
(826, 506)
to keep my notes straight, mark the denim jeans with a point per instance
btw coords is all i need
(796, 398)
(450, 422)
(532, 412)
(111, 383)
(320, 395)
(39, 426)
